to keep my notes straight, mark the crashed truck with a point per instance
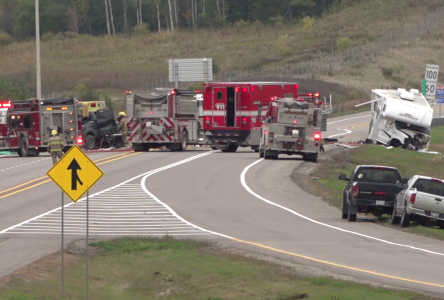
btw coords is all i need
(399, 118)
(172, 120)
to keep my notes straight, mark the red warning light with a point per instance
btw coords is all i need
(244, 89)
(316, 94)
(237, 90)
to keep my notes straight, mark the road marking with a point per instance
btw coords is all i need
(142, 183)
(242, 179)
(48, 180)
(124, 209)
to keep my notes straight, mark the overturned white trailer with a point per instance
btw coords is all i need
(400, 118)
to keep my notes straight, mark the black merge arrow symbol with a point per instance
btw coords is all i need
(74, 166)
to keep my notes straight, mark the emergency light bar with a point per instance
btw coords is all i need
(5, 104)
(57, 108)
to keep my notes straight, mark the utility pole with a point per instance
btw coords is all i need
(37, 50)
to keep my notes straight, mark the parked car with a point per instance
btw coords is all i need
(370, 189)
(422, 200)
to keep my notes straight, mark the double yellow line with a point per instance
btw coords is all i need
(41, 180)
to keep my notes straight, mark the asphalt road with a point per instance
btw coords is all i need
(235, 199)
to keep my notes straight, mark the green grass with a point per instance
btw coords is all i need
(148, 268)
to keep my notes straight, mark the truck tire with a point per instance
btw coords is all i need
(90, 142)
(394, 219)
(183, 141)
(261, 153)
(405, 219)
(344, 207)
(33, 152)
(23, 147)
(351, 216)
(137, 147)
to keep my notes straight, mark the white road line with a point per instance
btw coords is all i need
(125, 209)
(242, 179)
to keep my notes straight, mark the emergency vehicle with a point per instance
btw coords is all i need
(292, 126)
(400, 118)
(172, 120)
(233, 112)
(26, 125)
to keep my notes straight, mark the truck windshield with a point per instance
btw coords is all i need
(403, 125)
(429, 186)
(377, 174)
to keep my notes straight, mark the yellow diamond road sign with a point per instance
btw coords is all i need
(74, 173)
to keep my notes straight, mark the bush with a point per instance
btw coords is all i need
(15, 89)
(5, 38)
(343, 44)
(141, 30)
(307, 24)
(47, 36)
(387, 72)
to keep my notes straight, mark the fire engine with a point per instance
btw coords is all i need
(172, 120)
(26, 125)
(233, 112)
(292, 126)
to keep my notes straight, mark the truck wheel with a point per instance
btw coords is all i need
(405, 219)
(394, 219)
(23, 148)
(137, 147)
(33, 152)
(184, 141)
(344, 208)
(232, 147)
(350, 215)
(261, 153)
(90, 142)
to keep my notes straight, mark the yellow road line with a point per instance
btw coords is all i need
(338, 265)
(117, 157)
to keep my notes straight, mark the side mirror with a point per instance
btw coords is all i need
(399, 184)
(342, 177)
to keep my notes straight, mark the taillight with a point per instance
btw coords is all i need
(207, 120)
(244, 121)
(37, 136)
(412, 198)
(317, 138)
(295, 121)
(355, 190)
(271, 137)
(80, 140)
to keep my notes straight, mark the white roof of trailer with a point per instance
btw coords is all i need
(403, 95)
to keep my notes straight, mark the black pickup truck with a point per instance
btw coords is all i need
(370, 189)
(100, 130)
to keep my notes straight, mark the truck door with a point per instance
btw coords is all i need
(220, 106)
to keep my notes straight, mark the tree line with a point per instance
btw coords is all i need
(101, 17)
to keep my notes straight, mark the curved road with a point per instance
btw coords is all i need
(235, 199)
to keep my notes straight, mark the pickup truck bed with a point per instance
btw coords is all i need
(370, 189)
(422, 200)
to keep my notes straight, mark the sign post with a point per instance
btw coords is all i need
(440, 97)
(75, 174)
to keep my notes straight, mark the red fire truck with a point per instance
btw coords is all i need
(172, 120)
(233, 112)
(26, 125)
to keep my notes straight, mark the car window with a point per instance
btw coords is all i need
(377, 174)
(435, 187)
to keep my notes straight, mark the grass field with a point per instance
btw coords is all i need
(136, 268)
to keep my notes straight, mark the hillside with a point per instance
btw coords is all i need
(368, 45)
